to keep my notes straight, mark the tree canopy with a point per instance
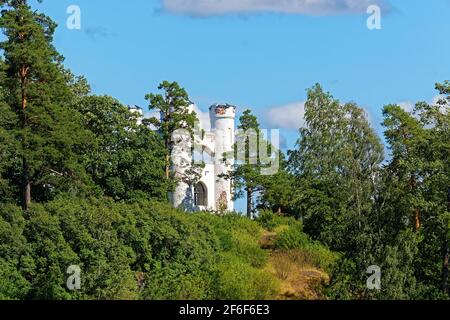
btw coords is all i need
(83, 181)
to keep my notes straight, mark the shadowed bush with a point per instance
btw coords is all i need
(271, 221)
(306, 251)
(144, 250)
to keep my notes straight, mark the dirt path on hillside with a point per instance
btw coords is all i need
(297, 280)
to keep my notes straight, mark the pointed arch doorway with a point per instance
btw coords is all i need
(200, 195)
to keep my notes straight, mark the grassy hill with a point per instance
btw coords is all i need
(300, 265)
(148, 250)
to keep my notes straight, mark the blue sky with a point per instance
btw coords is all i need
(259, 57)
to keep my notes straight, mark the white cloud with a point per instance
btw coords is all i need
(303, 7)
(408, 106)
(291, 116)
(205, 122)
(438, 99)
(202, 116)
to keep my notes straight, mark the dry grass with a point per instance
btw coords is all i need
(305, 259)
(283, 265)
(268, 240)
(299, 279)
(297, 270)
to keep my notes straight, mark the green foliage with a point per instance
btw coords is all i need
(45, 132)
(267, 220)
(277, 190)
(409, 232)
(416, 190)
(14, 254)
(292, 238)
(174, 114)
(239, 280)
(124, 159)
(145, 250)
(239, 236)
(313, 252)
(270, 221)
(89, 178)
(336, 164)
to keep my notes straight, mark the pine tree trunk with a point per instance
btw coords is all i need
(168, 154)
(26, 186)
(417, 219)
(249, 202)
(26, 183)
(167, 167)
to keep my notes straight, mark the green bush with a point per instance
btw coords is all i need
(13, 285)
(238, 235)
(270, 221)
(292, 238)
(140, 250)
(267, 220)
(308, 251)
(238, 280)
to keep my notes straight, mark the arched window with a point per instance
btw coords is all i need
(200, 195)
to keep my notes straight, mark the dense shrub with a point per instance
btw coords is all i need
(271, 221)
(292, 238)
(305, 250)
(144, 250)
(238, 280)
(239, 236)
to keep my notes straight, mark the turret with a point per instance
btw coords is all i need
(138, 112)
(222, 122)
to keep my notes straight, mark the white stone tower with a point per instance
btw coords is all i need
(138, 112)
(183, 195)
(222, 125)
(212, 191)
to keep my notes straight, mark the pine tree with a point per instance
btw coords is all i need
(7, 143)
(47, 130)
(173, 107)
(418, 182)
(247, 174)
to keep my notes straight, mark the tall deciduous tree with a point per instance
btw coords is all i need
(336, 164)
(125, 159)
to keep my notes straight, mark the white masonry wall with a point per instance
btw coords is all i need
(221, 139)
(223, 121)
(183, 196)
